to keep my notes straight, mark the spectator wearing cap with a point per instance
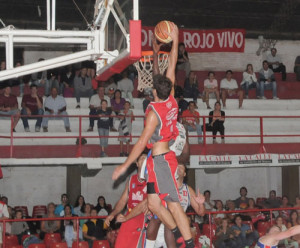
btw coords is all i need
(83, 86)
(32, 105)
(229, 87)
(275, 63)
(55, 105)
(9, 106)
(126, 87)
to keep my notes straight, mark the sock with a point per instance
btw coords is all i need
(150, 243)
(178, 238)
(189, 243)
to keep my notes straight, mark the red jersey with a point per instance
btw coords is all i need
(137, 191)
(31, 102)
(190, 117)
(166, 112)
(8, 101)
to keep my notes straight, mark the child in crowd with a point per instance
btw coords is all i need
(104, 122)
(125, 127)
(19, 228)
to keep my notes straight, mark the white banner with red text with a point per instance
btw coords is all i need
(200, 41)
(240, 161)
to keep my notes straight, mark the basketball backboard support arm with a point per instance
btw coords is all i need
(94, 41)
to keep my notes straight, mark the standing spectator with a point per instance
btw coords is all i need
(19, 228)
(101, 207)
(9, 106)
(126, 87)
(59, 210)
(297, 68)
(117, 104)
(79, 206)
(111, 87)
(272, 201)
(52, 82)
(208, 204)
(267, 81)
(249, 81)
(190, 89)
(55, 105)
(191, 120)
(4, 215)
(125, 128)
(93, 229)
(216, 122)
(229, 87)
(275, 63)
(104, 122)
(50, 226)
(243, 201)
(67, 79)
(82, 86)
(225, 236)
(183, 62)
(32, 104)
(210, 86)
(95, 105)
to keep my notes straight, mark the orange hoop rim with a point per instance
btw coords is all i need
(149, 55)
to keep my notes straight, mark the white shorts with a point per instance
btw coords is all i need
(160, 239)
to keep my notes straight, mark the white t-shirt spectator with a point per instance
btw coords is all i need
(250, 78)
(96, 101)
(125, 85)
(55, 103)
(209, 84)
(272, 59)
(229, 85)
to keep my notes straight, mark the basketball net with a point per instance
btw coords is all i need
(144, 67)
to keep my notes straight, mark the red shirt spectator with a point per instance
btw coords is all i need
(8, 101)
(190, 117)
(30, 102)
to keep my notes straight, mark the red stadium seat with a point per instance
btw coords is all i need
(59, 245)
(14, 246)
(197, 229)
(42, 245)
(51, 238)
(24, 209)
(39, 210)
(262, 227)
(11, 240)
(81, 244)
(101, 244)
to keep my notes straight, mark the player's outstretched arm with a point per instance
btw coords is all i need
(288, 233)
(173, 56)
(142, 207)
(120, 205)
(151, 123)
(197, 201)
(156, 49)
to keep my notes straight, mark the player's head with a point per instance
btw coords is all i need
(140, 160)
(162, 86)
(181, 171)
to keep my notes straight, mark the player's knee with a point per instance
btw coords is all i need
(174, 207)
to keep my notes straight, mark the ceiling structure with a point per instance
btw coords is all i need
(279, 19)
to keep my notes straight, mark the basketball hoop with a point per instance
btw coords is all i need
(144, 68)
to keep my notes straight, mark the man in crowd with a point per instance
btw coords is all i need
(297, 68)
(275, 63)
(9, 106)
(126, 87)
(229, 87)
(95, 105)
(243, 201)
(267, 81)
(32, 105)
(83, 86)
(191, 120)
(55, 105)
(59, 210)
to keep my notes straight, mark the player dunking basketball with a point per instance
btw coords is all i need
(160, 129)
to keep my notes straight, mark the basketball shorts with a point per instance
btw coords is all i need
(162, 176)
(132, 233)
(261, 245)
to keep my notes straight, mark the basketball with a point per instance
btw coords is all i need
(160, 31)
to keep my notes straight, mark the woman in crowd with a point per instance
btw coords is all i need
(210, 86)
(286, 242)
(19, 228)
(50, 226)
(117, 104)
(225, 236)
(249, 81)
(297, 204)
(231, 207)
(87, 213)
(79, 206)
(285, 204)
(217, 218)
(70, 234)
(293, 221)
(64, 223)
(190, 89)
(216, 122)
(101, 207)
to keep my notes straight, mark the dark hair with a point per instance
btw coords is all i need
(272, 191)
(210, 73)
(265, 61)
(162, 85)
(94, 209)
(291, 213)
(217, 102)
(207, 191)
(273, 48)
(192, 102)
(33, 86)
(237, 216)
(116, 92)
(77, 203)
(18, 211)
(247, 67)
(181, 44)
(98, 207)
(127, 102)
(103, 101)
(64, 193)
(229, 71)
(68, 206)
(244, 189)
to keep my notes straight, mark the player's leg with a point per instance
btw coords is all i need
(169, 238)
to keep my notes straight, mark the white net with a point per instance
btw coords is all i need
(145, 68)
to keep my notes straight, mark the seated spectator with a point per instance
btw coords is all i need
(4, 215)
(104, 122)
(225, 236)
(52, 82)
(275, 63)
(55, 105)
(294, 221)
(231, 207)
(19, 81)
(67, 79)
(4, 199)
(19, 228)
(272, 201)
(50, 226)
(190, 89)
(40, 78)
(59, 210)
(79, 206)
(183, 62)
(182, 105)
(70, 234)
(117, 104)
(95, 105)
(249, 81)
(93, 229)
(267, 81)
(126, 87)
(297, 68)
(178, 91)
(148, 98)
(297, 203)
(285, 204)
(125, 128)
(82, 86)
(243, 233)
(32, 105)
(243, 201)
(64, 223)
(216, 122)
(191, 120)
(111, 87)
(101, 207)
(86, 213)
(217, 218)
(208, 204)
(289, 242)
(9, 106)
(255, 216)
(210, 86)
(229, 87)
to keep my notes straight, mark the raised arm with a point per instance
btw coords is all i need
(286, 234)
(197, 201)
(137, 210)
(156, 48)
